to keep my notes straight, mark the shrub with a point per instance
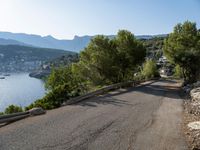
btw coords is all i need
(66, 76)
(178, 72)
(150, 70)
(13, 109)
(54, 98)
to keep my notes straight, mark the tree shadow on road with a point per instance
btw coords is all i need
(104, 100)
(162, 88)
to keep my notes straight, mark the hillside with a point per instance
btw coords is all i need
(45, 68)
(154, 47)
(24, 58)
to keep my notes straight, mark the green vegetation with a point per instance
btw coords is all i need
(154, 47)
(182, 48)
(13, 109)
(62, 84)
(178, 72)
(119, 59)
(53, 99)
(104, 61)
(66, 76)
(150, 70)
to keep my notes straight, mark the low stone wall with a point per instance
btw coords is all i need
(194, 107)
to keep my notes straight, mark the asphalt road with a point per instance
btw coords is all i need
(147, 117)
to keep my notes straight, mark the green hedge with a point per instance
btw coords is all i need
(54, 98)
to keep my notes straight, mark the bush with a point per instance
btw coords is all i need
(13, 109)
(150, 70)
(178, 72)
(1, 113)
(66, 76)
(63, 83)
(54, 99)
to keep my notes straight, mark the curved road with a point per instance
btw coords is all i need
(146, 117)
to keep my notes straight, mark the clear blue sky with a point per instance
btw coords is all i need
(65, 18)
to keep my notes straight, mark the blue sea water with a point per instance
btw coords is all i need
(20, 89)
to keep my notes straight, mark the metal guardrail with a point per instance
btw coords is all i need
(13, 117)
(21, 115)
(100, 91)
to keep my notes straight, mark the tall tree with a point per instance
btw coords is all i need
(97, 61)
(130, 52)
(107, 60)
(182, 48)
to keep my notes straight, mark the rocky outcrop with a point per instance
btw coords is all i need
(194, 107)
(192, 115)
(36, 111)
(194, 125)
(40, 74)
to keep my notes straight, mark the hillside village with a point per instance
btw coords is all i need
(17, 58)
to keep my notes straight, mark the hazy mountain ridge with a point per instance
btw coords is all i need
(11, 42)
(76, 44)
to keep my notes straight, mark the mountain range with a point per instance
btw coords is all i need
(76, 44)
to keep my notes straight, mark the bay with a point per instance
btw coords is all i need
(20, 89)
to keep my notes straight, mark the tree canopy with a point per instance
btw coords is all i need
(107, 60)
(182, 47)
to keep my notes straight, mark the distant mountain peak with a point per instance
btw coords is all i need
(49, 37)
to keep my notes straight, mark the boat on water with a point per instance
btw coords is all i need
(2, 77)
(7, 74)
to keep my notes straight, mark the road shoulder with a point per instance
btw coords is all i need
(167, 120)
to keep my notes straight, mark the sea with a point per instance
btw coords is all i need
(19, 89)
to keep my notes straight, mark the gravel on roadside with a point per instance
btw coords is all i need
(192, 135)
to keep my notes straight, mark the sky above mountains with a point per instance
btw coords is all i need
(65, 18)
